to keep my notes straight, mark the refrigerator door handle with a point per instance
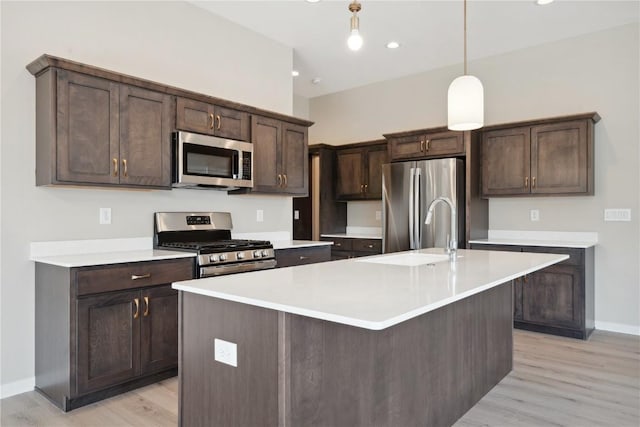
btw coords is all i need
(416, 205)
(412, 230)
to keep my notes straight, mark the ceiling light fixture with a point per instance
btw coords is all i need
(355, 39)
(295, 73)
(466, 96)
(393, 45)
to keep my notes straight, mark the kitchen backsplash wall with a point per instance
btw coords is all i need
(169, 42)
(364, 214)
(594, 72)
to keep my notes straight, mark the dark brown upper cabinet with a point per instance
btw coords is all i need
(92, 131)
(543, 158)
(422, 145)
(280, 151)
(359, 171)
(209, 119)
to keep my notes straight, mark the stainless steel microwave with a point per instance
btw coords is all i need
(203, 161)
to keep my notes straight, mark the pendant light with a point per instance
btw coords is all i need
(465, 99)
(355, 39)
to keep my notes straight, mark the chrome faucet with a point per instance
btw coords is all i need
(452, 246)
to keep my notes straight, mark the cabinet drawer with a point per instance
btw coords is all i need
(373, 246)
(132, 275)
(489, 247)
(301, 256)
(339, 244)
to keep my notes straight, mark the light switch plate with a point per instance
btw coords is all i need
(378, 215)
(617, 214)
(105, 216)
(225, 352)
(296, 214)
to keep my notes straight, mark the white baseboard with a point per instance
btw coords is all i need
(618, 327)
(17, 387)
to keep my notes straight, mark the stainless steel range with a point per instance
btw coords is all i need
(209, 235)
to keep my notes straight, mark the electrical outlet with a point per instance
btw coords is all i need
(534, 215)
(617, 214)
(378, 215)
(225, 352)
(259, 215)
(296, 214)
(105, 216)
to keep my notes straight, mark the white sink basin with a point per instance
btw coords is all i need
(410, 260)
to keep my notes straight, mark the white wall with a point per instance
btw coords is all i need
(168, 42)
(596, 72)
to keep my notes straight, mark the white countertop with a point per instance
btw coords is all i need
(102, 258)
(291, 244)
(371, 295)
(351, 236)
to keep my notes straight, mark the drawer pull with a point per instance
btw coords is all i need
(337, 244)
(370, 246)
(136, 301)
(146, 307)
(302, 257)
(141, 276)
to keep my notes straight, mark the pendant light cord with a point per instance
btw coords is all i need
(465, 37)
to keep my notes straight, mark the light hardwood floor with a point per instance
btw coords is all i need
(555, 382)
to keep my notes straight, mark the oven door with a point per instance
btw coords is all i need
(201, 160)
(239, 267)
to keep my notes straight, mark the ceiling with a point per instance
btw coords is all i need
(430, 33)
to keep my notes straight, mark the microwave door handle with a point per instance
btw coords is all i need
(235, 166)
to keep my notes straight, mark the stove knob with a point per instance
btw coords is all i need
(223, 257)
(213, 258)
(257, 254)
(240, 255)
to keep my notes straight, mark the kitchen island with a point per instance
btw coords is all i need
(397, 339)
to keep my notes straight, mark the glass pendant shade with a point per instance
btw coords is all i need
(355, 40)
(465, 103)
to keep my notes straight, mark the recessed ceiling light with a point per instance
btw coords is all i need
(393, 45)
(295, 73)
(543, 2)
(316, 80)
(313, 1)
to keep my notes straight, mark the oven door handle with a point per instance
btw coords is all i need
(220, 270)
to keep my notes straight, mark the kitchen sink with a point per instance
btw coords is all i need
(409, 260)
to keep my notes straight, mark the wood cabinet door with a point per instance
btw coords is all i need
(108, 339)
(350, 174)
(194, 116)
(266, 136)
(232, 124)
(145, 137)
(554, 296)
(159, 329)
(506, 162)
(87, 147)
(407, 147)
(444, 143)
(560, 158)
(375, 158)
(295, 159)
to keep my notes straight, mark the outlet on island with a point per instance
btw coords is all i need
(225, 352)
(259, 215)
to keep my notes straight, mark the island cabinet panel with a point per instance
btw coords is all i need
(103, 330)
(546, 157)
(299, 371)
(304, 255)
(558, 299)
(201, 117)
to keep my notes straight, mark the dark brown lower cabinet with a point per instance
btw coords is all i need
(557, 300)
(104, 330)
(302, 255)
(350, 247)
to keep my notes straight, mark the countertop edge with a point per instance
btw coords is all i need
(293, 244)
(106, 258)
(525, 242)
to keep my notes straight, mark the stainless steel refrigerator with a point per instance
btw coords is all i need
(407, 190)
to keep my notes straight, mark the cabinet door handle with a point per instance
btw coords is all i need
(219, 122)
(279, 180)
(533, 182)
(362, 188)
(526, 182)
(115, 167)
(125, 168)
(284, 176)
(421, 145)
(366, 186)
(140, 276)
(211, 118)
(146, 307)
(136, 301)
(428, 140)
